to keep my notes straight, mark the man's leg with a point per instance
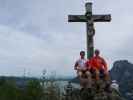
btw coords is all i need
(104, 75)
(88, 74)
(79, 73)
(97, 74)
(107, 77)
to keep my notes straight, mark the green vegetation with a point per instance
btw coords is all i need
(9, 91)
(33, 90)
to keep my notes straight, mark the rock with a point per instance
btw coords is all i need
(99, 91)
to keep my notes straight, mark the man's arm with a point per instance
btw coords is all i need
(105, 64)
(76, 65)
(87, 64)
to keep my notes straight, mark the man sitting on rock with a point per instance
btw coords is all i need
(82, 72)
(98, 66)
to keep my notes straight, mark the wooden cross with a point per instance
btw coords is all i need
(89, 18)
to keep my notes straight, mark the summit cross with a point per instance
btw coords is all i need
(89, 19)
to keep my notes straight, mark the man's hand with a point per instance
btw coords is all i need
(75, 68)
(81, 69)
(88, 68)
(106, 72)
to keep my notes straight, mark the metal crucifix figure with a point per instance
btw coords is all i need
(89, 18)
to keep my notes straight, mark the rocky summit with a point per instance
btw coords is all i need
(100, 90)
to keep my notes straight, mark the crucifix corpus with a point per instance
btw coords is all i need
(89, 18)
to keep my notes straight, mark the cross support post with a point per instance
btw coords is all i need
(89, 19)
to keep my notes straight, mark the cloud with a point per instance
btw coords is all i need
(21, 50)
(35, 34)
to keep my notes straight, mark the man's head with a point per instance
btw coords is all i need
(97, 52)
(82, 54)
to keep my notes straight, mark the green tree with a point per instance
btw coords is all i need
(9, 90)
(34, 90)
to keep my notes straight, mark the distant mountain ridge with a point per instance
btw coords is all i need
(122, 71)
(22, 81)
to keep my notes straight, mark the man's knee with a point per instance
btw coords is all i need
(79, 73)
(97, 72)
(88, 73)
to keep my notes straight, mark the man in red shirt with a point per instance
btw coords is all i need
(98, 66)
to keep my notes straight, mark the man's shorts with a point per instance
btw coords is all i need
(85, 73)
(101, 72)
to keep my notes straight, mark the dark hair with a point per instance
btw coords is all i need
(97, 51)
(82, 52)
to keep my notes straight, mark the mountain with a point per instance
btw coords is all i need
(122, 71)
(20, 82)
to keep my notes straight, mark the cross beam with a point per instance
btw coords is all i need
(89, 18)
(82, 18)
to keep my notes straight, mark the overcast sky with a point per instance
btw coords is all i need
(35, 35)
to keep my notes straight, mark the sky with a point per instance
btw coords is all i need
(35, 35)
